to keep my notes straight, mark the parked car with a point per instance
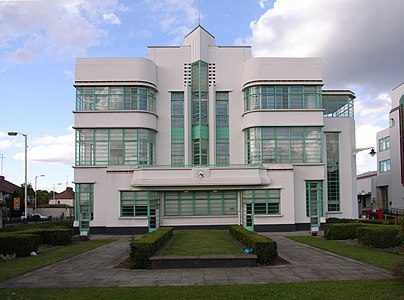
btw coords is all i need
(35, 217)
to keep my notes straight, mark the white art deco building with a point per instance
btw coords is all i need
(206, 136)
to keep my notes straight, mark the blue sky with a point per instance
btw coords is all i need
(361, 44)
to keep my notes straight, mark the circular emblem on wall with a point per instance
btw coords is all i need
(201, 174)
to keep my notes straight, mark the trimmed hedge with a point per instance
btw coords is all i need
(18, 244)
(143, 248)
(265, 248)
(51, 236)
(342, 231)
(365, 221)
(47, 224)
(380, 236)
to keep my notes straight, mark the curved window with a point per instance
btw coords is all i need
(115, 98)
(338, 106)
(102, 147)
(268, 145)
(282, 97)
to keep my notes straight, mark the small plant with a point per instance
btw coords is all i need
(7, 257)
(398, 268)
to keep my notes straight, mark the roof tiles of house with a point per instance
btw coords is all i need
(66, 194)
(7, 186)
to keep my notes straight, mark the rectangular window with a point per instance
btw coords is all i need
(266, 202)
(177, 129)
(314, 201)
(333, 172)
(282, 97)
(384, 143)
(222, 128)
(116, 146)
(116, 98)
(269, 145)
(200, 203)
(338, 105)
(136, 204)
(84, 203)
(384, 166)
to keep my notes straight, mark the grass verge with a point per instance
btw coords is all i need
(25, 264)
(202, 242)
(388, 289)
(361, 253)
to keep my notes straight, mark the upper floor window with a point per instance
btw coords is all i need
(384, 166)
(282, 97)
(338, 105)
(384, 143)
(115, 98)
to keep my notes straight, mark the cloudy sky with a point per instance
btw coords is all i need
(360, 41)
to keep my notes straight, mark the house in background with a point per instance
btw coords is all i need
(207, 136)
(364, 188)
(7, 188)
(66, 197)
(63, 202)
(388, 185)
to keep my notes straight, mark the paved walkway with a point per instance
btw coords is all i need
(98, 268)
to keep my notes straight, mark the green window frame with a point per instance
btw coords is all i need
(338, 106)
(84, 203)
(384, 144)
(333, 171)
(222, 129)
(118, 146)
(177, 129)
(200, 111)
(200, 203)
(314, 200)
(269, 145)
(115, 98)
(282, 97)
(384, 166)
(266, 202)
(137, 203)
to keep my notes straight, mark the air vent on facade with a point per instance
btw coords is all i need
(187, 74)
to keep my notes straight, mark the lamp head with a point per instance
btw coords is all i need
(12, 133)
(372, 152)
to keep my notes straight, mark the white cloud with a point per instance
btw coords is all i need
(51, 149)
(36, 29)
(111, 18)
(68, 75)
(5, 144)
(262, 3)
(366, 137)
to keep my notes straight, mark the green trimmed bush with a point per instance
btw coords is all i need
(51, 236)
(379, 236)
(342, 231)
(18, 244)
(143, 248)
(338, 220)
(378, 221)
(265, 248)
(47, 224)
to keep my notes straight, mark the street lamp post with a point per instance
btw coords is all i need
(13, 133)
(54, 199)
(35, 191)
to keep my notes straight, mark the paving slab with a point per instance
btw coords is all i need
(98, 267)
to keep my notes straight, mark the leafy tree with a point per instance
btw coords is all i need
(42, 197)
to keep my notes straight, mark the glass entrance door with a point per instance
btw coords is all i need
(314, 203)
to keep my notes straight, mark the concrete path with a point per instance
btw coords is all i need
(98, 268)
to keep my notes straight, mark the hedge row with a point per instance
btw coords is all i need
(342, 231)
(48, 224)
(51, 236)
(380, 236)
(365, 221)
(19, 244)
(143, 248)
(265, 248)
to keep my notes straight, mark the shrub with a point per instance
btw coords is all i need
(47, 224)
(143, 248)
(338, 220)
(342, 231)
(379, 221)
(18, 244)
(51, 236)
(265, 248)
(398, 267)
(379, 236)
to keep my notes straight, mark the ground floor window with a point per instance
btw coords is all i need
(135, 204)
(266, 202)
(84, 204)
(200, 203)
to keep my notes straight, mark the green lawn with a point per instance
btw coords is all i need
(358, 289)
(364, 254)
(25, 264)
(202, 242)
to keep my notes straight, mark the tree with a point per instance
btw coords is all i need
(42, 197)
